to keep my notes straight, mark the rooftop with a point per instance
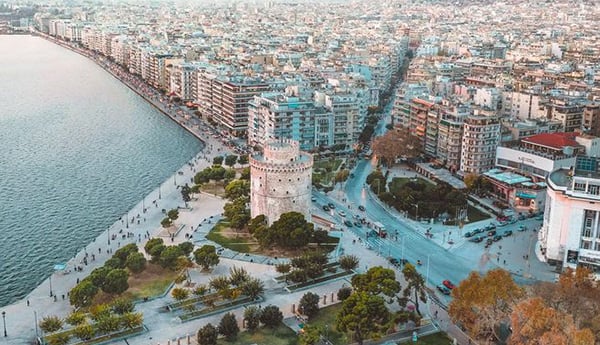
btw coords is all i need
(553, 140)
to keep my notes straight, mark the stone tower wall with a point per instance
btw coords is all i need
(281, 181)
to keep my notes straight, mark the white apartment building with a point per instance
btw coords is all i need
(570, 234)
(522, 105)
(480, 139)
(450, 132)
(349, 109)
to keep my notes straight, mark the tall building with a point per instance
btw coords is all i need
(224, 99)
(591, 119)
(480, 139)
(450, 132)
(570, 234)
(280, 181)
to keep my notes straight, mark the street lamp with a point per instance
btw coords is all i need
(127, 221)
(159, 191)
(50, 285)
(417, 214)
(4, 322)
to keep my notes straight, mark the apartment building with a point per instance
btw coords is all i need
(481, 135)
(450, 132)
(224, 99)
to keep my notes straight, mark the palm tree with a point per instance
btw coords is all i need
(253, 288)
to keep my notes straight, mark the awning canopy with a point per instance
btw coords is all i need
(60, 267)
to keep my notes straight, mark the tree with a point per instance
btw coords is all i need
(99, 311)
(108, 324)
(218, 160)
(166, 222)
(341, 176)
(122, 306)
(58, 338)
(156, 252)
(271, 316)
(377, 280)
(237, 213)
(252, 317)
(51, 324)
(348, 262)
(219, 283)
(256, 223)
(230, 160)
(186, 192)
(479, 303)
(180, 293)
(75, 318)
(151, 243)
(82, 294)
(98, 275)
(253, 288)
(169, 256)
(363, 316)
(309, 304)
(291, 230)
(123, 253)
(344, 292)
(284, 269)
(84, 331)
(238, 276)
(207, 335)
(206, 256)
(237, 188)
(532, 321)
(173, 214)
(243, 159)
(310, 335)
(186, 248)
(136, 262)
(228, 327)
(415, 289)
(132, 320)
(116, 282)
(396, 143)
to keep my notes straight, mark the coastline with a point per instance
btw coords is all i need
(143, 222)
(99, 62)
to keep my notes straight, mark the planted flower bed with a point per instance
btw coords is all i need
(218, 307)
(299, 286)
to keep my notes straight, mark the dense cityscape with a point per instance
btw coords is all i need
(388, 172)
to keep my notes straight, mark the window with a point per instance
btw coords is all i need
(594, 189)
(585, 244)
(579, 186)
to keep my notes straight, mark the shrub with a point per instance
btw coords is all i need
(344, 293)
(50, 324)
(271, 316)
(228, 326)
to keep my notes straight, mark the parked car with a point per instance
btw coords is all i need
(326, 208)
(362, 208)
(477, 231)
(522, 228)
(497, 238)
(357, 224)
(394, 261)
(490, 227)
(489, 242)
(348, 223)
(331, 205)
(313, 199)
(342, 214)
(444, 290)
(539, 217)
(448, 284)
(476, 239)
(468, 234)
(491, 233)
(507, 233)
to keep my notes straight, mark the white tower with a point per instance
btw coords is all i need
(281, 180)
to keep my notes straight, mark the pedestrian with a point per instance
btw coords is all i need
(63, 296)
(435, 314)
(28, 303)
(505, 262)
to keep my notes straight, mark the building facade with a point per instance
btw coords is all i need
(480, 139)
(280, 181)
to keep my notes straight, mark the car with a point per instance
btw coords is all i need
(507, 233)
(331, 205)
(489, 242)
(478, 231)
(476, 239)
(326, 208)
(448, 284)
(348, 223)
(490, 227)
(444, 290)
(522, 228)
(357, 224)
(540, 217)
(468, 234)
(501, 224)
(394, 261)
(342, 214)
(497, 238)
(491, 233)
(362, 208)
(313, 199)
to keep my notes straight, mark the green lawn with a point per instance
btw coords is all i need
(474, 216)
(320, 168)
(398, 182)
(239, 243)
(433, 339)
(265, 336)
(326, 317)
(323, 164)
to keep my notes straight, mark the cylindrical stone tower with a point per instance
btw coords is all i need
(281, 180)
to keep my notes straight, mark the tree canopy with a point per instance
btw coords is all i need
(377, 280)
(396, 143)
(363, 316)
(415, 289)
(480, 302)
(206, 256)
(291, 230)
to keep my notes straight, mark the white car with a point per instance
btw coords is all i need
(342, 214)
